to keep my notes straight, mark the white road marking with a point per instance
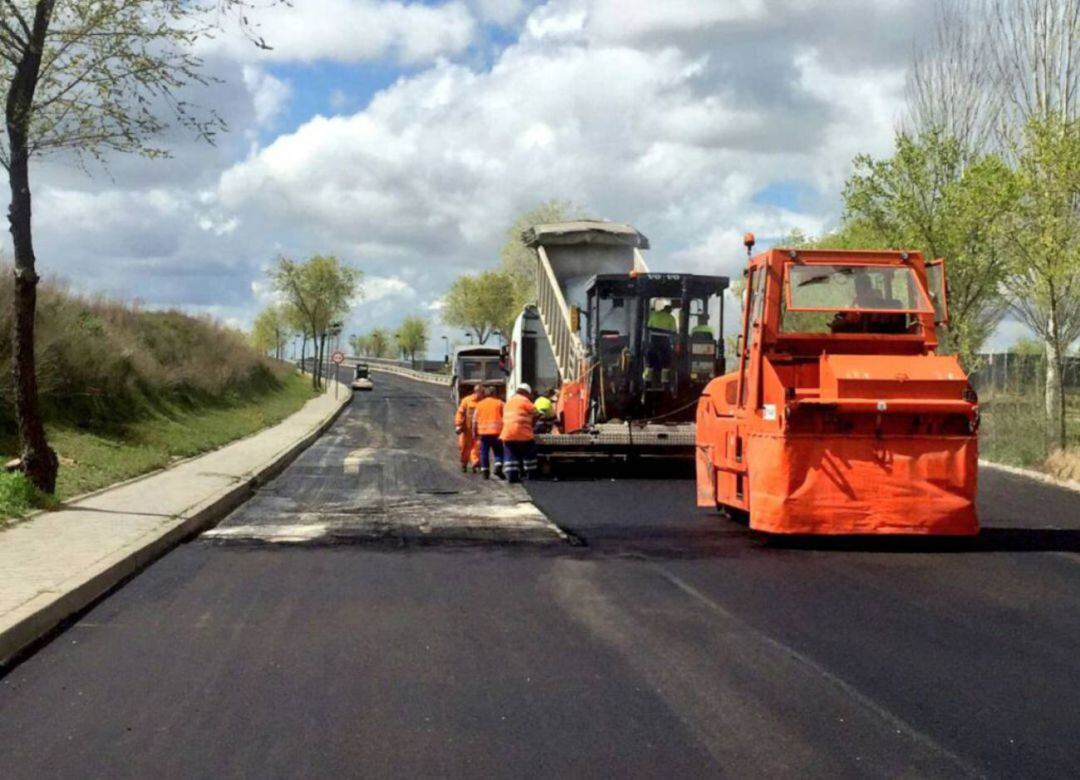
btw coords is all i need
(293, 532)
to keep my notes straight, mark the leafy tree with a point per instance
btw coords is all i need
(321, 290)
(483, 303)
(359, 345)
(88, 77)
(271, 331)
(298, 325)
(518, 260)
(380, 343)
(933, 197)
(1043, 237)
(1023, 346)
(412, 337)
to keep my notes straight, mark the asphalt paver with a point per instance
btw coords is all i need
(670, 642)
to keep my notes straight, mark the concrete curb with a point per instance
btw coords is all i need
(44, 614)
(1039, 476)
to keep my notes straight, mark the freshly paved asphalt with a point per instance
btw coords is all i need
(672, 643)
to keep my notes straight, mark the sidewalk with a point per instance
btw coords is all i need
(57, 563)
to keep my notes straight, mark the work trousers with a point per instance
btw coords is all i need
(468, 449)
(519, 458)
(491, 452)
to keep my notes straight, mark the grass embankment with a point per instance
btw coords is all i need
(126, 391)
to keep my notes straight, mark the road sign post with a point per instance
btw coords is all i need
(338, 357)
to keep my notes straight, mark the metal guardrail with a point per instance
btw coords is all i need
(420, 376)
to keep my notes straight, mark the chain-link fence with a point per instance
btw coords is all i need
(1011, 372)
(1012, 397)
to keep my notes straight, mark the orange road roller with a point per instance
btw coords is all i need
(840, 416)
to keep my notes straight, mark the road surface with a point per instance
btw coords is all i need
(670, 643)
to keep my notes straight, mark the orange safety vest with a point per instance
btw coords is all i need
(488, 417)
(463, 418)
(518, 419)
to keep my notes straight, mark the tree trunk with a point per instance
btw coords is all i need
(303, 353)
(1055, 418)
(38, 461)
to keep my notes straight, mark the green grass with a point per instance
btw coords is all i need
(18, 496)
(95, 459)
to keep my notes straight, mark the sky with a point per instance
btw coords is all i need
(406, 136)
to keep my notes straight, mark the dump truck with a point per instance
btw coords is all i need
(474, 365)
(841, 416)
(629, 351)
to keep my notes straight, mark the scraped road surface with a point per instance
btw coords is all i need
(671, 643)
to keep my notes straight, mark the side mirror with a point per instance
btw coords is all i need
(739, 347)
(937, 284)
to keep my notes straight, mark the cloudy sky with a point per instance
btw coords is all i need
(405, 136)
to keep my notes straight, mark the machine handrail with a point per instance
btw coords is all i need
(566, 345)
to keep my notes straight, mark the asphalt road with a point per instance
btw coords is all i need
(672, 643)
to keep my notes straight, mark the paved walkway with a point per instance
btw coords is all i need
(54, 564)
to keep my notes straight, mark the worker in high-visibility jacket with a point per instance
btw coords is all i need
(487, 425)
(545, 412)
(519, 444)
(468, 444)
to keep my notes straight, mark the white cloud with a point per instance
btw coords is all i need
(672, 116)
(377, 288)
(269, 95)
(438, 164)
(618, 20)
(498, 12)
(351, 31)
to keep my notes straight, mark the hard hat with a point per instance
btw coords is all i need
(661, 303)
(524, 388)
(544, 405)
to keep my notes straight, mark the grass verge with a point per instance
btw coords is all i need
(94, 459)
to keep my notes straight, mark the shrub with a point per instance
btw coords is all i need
(1063, 464)
(17, 495)
(102, 362)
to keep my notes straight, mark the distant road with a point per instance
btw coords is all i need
(671, 643)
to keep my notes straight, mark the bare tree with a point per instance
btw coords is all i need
(950, 88)
(1036, 48)
(1004, 75)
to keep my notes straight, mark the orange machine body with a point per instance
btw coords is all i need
(840, 417)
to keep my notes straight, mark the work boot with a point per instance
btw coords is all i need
(464, 468)
(486, 475)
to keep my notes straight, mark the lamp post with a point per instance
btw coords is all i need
(469, 336)
(446, 345)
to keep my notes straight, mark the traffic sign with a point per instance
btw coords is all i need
(338, 357)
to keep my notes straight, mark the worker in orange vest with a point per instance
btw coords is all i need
(519, 446)
(487, 425)
(468, 444)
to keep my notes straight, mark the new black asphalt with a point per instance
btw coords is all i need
(672, 643)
